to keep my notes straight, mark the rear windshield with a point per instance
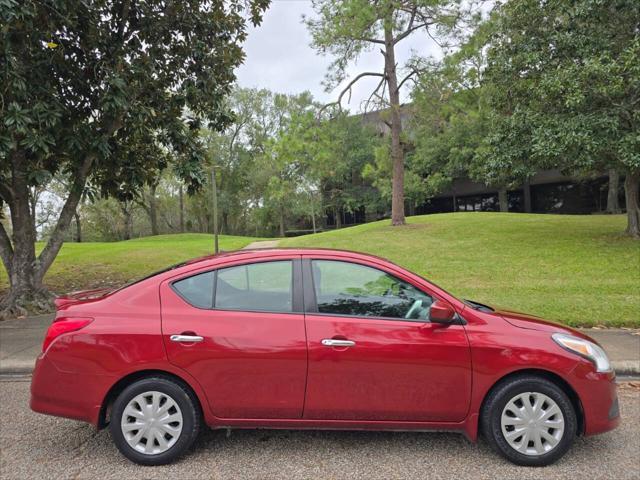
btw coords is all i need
(172, 267)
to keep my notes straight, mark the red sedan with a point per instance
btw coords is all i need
(315, 339)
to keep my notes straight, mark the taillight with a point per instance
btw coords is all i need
(64, 325)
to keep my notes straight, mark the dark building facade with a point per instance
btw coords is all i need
(548, 191)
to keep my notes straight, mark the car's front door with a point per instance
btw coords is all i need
(373, 354)
(239, 330)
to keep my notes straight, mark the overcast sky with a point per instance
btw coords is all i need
(279, 56)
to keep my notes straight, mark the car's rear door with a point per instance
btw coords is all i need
(368, 362)
(241, 335)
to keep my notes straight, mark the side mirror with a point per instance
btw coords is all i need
(441, 312)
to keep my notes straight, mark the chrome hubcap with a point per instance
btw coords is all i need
(151, 423)
(532, 423)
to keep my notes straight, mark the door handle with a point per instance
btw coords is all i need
(333, 342)
(186, 338)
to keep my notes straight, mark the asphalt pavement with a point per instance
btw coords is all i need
(34, 446)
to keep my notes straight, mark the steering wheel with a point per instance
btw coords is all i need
(417, 305)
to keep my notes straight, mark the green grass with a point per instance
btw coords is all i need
(578, 270)
(94, 264)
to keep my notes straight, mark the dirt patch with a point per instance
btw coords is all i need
(632, 386)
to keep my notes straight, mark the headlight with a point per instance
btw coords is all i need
(584, 348)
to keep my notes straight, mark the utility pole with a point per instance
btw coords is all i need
(215, 210)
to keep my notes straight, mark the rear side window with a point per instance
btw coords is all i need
(197, 290)
(266, 287)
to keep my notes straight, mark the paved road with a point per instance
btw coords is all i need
(33, 446)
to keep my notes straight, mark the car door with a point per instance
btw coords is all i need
(366, 360)
(239, 330)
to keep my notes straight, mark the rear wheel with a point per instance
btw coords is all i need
(154, 421)
(529, 420)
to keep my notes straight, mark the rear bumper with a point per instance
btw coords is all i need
(67, 394)
(598, 394)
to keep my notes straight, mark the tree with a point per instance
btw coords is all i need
(378, 171)
(563, 79)
(339, 148)
(347, 28)
(240, 155)
(139, 158)
(76, 73)
(276, 171)
(231, 153)
(148, 201)
(451, 118)
(281, 169)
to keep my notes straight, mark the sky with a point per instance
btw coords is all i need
(279, 57)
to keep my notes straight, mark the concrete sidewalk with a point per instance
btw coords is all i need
(21, 343)
(261, 244)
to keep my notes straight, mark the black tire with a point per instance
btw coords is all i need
(191, 419)
(495, 403)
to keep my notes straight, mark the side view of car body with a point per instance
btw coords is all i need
(312, 338)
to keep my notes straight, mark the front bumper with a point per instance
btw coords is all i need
(598, 395)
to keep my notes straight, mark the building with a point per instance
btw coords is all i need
(548, 191)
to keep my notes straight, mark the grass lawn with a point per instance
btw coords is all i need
(574, 269)
(94, 264)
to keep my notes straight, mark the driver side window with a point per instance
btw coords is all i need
(344, 288)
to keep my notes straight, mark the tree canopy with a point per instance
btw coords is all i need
(563, 86)
(76, 73)
(347, 28)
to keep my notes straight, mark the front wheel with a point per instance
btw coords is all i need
(529, 420)
(154, 421)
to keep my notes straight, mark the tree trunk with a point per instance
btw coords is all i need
(313, 217)
(26, 272)
(26, 292)
(181, 197)
(33, 204)
(282, 224)
(526, 188)
(78, 227)
(613, 205)
(128, 220)
(631, 193)
(503, 200)
(153, 210)
(225, 224)
(22, 278)
(397, 154)
(338, 215)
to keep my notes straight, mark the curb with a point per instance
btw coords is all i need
(16, 367)
(626, 367)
